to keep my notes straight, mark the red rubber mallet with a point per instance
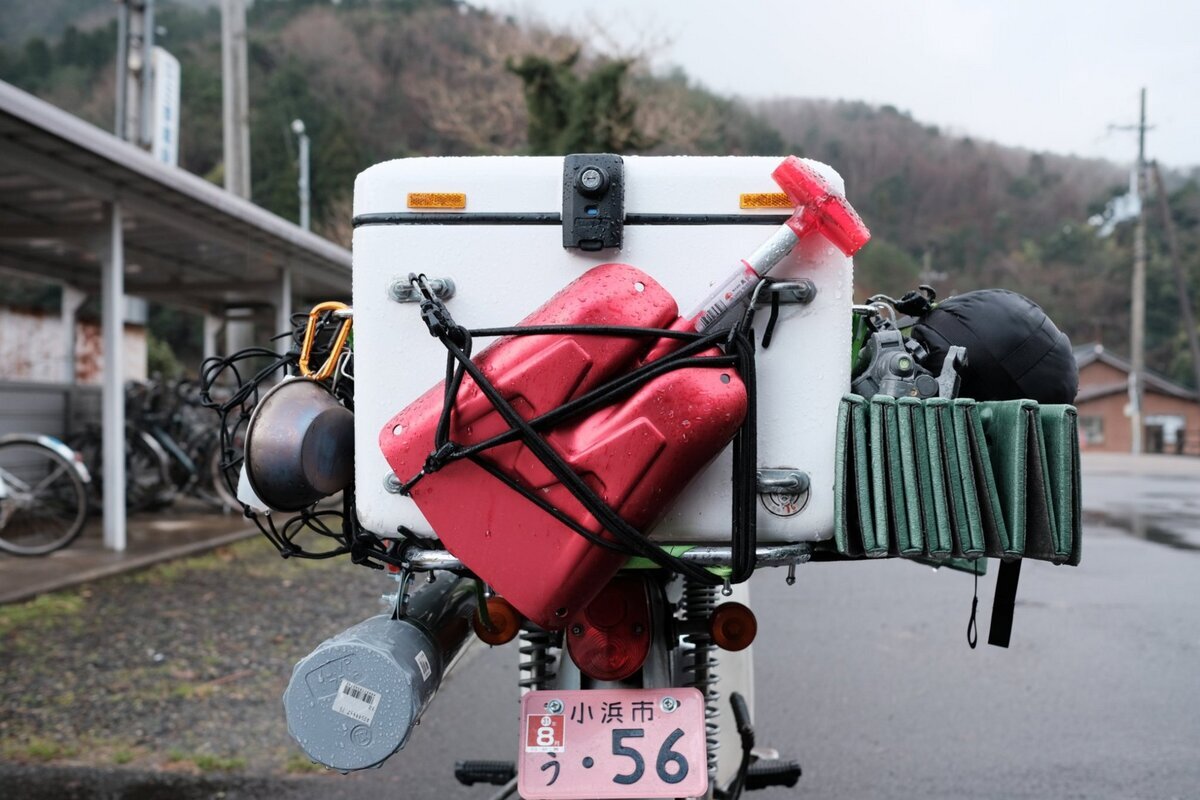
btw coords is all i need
(818, 210)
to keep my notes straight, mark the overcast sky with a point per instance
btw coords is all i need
(1045, 75)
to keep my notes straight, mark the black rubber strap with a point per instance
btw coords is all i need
(1003, 602)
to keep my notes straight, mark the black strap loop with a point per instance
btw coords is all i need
(972, 628)
(1003, 602)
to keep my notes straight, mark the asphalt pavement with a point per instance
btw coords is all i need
(864, 675)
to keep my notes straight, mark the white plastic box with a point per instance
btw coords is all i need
(503, 270)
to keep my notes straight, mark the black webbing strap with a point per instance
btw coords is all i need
(1003, 602)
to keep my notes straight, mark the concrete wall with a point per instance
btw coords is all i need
(33, 348)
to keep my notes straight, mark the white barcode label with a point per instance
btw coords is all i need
(710, 316)
(356, 702)
(423, 663)
(724, 297)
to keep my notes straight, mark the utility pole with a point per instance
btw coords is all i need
(1137, 322)
(1137, 339)
(135, 44)
(235, 103)
(1181, 286)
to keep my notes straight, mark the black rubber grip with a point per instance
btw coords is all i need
(497, 773)
(763, 774)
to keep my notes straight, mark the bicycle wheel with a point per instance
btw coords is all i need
(146, 486)
(217, 482)
(44, 504)
(147, 483)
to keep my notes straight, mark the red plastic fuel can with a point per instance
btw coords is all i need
(637, 454)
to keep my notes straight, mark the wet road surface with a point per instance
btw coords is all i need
(864, 675)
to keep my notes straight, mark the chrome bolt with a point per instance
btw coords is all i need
(392, 484)
(668, 704)
(554, 707)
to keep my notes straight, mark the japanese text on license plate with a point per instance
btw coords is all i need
(612, 743)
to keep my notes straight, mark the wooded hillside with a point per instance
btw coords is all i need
(376, 79)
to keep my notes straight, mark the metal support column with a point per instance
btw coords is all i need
(283, 308)
(112, 316)
(72, 299)
(212, 328)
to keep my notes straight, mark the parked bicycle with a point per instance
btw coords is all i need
(170, 449)
(43, 494)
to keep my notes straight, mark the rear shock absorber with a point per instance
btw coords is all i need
(537, 662)
(700, 664)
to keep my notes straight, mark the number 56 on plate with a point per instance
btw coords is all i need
(612, 743)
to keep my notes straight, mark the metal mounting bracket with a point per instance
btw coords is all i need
(796, 292)
(402, 290)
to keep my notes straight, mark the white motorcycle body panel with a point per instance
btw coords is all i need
(502, 272)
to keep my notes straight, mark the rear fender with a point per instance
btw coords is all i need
(54, 444)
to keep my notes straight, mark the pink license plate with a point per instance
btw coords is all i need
(612, 743)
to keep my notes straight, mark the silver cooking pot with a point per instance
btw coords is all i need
(299, 445)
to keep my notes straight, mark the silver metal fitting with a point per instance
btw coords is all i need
(392, 484)
(797, 292)
(554, 707)
(402, 290)
(782, 481)
(668, 704)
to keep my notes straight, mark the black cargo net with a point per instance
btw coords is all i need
(737, 344)
(232, 386)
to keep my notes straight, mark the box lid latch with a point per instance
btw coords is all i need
(593, 215)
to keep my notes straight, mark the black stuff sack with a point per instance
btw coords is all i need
(1014, 350)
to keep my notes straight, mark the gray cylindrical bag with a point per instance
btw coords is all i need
(355, 699)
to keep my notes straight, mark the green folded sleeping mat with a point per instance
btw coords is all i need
(945, 480)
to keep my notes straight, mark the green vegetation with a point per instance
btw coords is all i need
(211, 763)
(299, 764)
(36, 749)
(572, 113)
(40, 613)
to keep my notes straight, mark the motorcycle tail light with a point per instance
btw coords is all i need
(610, 639)
(733, 626)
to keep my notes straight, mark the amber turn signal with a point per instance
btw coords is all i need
(732, 626)
(505, 622)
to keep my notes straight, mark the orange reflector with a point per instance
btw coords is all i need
(437, 200)
(764, 200)
(506, 622)
(733, 626)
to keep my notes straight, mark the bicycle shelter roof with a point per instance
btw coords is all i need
(187, 242)
(81, 207)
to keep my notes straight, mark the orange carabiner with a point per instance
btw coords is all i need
(310, 333)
